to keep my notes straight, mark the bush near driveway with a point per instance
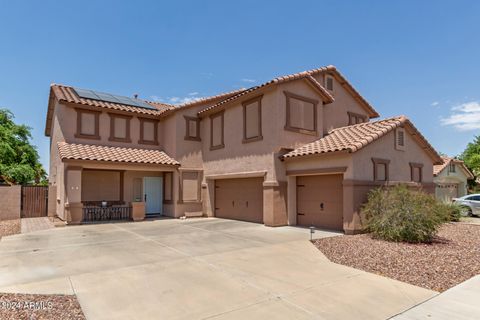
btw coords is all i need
(452, 211)
(400, 214)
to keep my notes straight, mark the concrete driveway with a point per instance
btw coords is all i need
(197, 269)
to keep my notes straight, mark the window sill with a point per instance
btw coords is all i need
(86, 136)
(217, 147)
(119, 140)
(192, 138)
(302, 131)
(189, 202)
(247, 140)
(152, 143)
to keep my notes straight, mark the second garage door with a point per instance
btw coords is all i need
(239, 199)
(446, 191)
(320, 201)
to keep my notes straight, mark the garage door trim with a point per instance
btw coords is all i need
(238, 175)
(318, 171)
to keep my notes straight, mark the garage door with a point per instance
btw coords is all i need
(320, 201)
(239, 199)
(446, 191)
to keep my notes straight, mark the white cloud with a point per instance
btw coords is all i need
(207, 75)
(195, 93)
(176, 100)
(248, 80)
(464, 117)
(156, 98)
(435, 103)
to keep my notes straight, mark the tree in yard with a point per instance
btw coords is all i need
(19, 160)
(471, 157)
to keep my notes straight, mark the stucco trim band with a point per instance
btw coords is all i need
(317, 171)
(246, 174)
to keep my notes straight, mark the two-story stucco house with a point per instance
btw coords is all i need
(297, 150)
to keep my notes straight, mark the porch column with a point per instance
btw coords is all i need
(73, 192)
(274, 203)
(292, 200)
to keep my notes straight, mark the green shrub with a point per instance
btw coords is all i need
(452, 212)
(399, 214)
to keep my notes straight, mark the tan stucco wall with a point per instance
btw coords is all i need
(10, 198)
(259, 156)
(336, 113)
(325, 161)
(277, 114)
(399, 167)
(189, 153)
(57, 168)
(52, 200)
(355, 192)
(358, 177)
(68, 127)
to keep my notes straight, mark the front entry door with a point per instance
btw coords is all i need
(153, 195)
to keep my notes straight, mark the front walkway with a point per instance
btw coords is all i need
(36, 224)
(203, 268)
(459, 302)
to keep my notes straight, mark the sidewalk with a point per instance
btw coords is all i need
(459, 302)
(36, 224)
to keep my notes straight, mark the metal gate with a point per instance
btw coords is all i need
(34, 201)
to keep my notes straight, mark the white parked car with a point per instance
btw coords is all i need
(471, 204)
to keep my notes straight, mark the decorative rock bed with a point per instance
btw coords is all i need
(453, 257)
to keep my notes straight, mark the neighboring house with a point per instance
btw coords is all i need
(296, 150)
(450, 179)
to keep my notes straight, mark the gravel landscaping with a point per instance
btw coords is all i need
(38, 306)
(9, 227)
(453, 257)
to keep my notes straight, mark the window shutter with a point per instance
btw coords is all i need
(329, 83)
(88, 124)
(401, 138)
(190, 186)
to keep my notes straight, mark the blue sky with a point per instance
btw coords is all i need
(418, 58)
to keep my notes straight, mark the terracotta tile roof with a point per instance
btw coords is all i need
(201, 101)
(355, 137)
(439, 167)
(446, 161)
(344, 82)
(72, 151)
(64, 93)
(327, 69)
(198, 101)
(68, 94)
(328, 98)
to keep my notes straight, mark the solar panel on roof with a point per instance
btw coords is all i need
(102, 96)
(86, 94)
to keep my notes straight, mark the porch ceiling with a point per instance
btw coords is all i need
(72, 151)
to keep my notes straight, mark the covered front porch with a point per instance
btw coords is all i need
(97, 191)
(117, 194)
